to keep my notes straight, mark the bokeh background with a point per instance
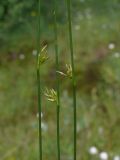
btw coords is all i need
(96, 38)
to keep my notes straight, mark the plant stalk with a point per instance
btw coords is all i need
(57, 81)
(73, 72)
(39, 82)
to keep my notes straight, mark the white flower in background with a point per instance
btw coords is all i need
(117, 55)
(93, 150)
(44, 126)
(111, 46)
(104, 156)
(38, 115)
(34, 52)
(116, 158)
(21, 56)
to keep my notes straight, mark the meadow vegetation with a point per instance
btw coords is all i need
(96, 38)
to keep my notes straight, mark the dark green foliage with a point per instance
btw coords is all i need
(18, 18)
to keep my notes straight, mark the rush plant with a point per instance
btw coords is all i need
(39, 82)
(73, 71)
(54, 95)
(42, 58)
(57, 80)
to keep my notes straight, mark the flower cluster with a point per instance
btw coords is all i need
(68, 72)
(51, 95)
(42, 57)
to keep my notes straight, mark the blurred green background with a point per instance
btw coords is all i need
(96, 35)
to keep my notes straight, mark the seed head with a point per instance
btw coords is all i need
(51, 95)
(68, 72)
(42, 57)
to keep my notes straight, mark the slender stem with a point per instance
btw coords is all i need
(57, 81)
(73, 71)
(39, 84)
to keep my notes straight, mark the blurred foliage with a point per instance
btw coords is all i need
(18, 18)
(96, 28)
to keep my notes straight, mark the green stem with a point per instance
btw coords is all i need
(57, 81)
(73, 71)
(39, 85)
